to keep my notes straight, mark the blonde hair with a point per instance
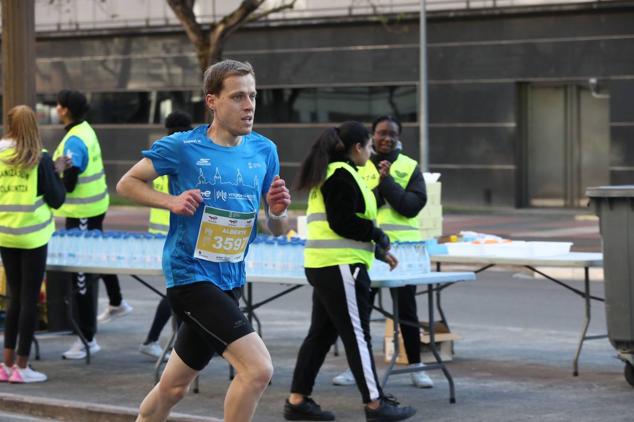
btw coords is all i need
(22, 128)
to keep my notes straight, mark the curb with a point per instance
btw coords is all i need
(71, 411)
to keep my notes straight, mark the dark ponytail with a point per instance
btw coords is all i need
(332, 145)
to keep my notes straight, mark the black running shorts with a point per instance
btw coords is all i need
(212, 320)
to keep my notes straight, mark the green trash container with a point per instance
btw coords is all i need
(615, 207)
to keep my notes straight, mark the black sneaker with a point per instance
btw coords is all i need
(389, 410)
(307, 410)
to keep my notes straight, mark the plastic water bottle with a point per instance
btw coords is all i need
(62, 247)
(135, 255)
(53, 249)
(72, 245)
(156, 251)
(297, 257)
(251, 259)
(268, 257)
(280, 259)
(122, 249)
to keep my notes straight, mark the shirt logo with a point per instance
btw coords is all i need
(220, 194)
(191, 141)
(254, 165)
(203, 162)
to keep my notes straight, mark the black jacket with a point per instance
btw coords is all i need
(343, 199)
(49, 185)
(409, 201)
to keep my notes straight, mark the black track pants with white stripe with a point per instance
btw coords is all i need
(341, 307)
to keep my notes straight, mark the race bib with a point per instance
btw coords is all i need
(223, 235)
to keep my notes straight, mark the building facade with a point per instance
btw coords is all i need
(527, 105)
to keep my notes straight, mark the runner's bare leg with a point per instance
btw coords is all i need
(172, 387)
(254, 369)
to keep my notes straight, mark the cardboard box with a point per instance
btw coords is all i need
(431, 214)
(444, 343)
(434, 192)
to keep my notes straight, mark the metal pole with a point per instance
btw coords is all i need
(18, 54)
(423, 131)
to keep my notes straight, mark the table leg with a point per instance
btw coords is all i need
(432, 345)
(395, 341)
(443, 318)
(586, 324)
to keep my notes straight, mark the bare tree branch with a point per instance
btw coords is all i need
(184, 11)
(209, 42)
(257, 16)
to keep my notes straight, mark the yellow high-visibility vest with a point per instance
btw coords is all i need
(324, 247)
(160, 218)
(90, 197)
(396, 226)
(26, 221)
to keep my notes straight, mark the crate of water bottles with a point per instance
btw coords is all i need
(283, 257)
(275, 256)
(110, 249)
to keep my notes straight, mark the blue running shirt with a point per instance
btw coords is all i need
(229, 178)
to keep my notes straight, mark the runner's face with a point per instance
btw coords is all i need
(385, 136)
(234, 106)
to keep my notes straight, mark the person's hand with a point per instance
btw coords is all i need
(391, 261)
(381, 239)
(186, 203)
(384, 169)
(62, 163)
(278, 197)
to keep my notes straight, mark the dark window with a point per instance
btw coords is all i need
(275, 105)
(323, 105)
(119, 107)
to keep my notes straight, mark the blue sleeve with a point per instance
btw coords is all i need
(165, 154)
(272, 170)
(77, 151)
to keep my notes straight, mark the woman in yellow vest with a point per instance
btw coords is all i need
(176, 121)
(400, 187)
(340, 248)
(29, 188)
(85, 208)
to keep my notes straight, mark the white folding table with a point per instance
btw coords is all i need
(583, 260)
(434, 282)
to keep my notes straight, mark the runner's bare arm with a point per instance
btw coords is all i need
(134, 185)
(278, 198)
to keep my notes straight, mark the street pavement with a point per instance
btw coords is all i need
(513, 361)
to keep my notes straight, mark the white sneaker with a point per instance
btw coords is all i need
(25, 375)
(420, 379)
(78, 351)
(114, 312)
(154, 350)
(344, 378)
